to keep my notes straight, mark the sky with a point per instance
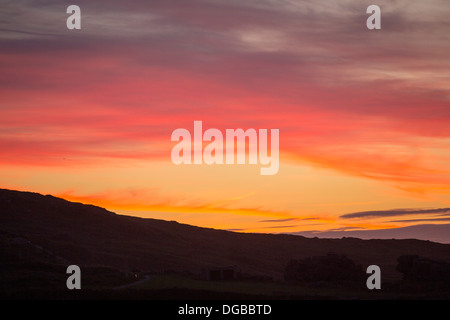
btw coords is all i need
(363, 115)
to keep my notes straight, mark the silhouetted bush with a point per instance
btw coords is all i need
(328, 268)
(424, 273)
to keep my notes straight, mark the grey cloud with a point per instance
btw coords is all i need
(392, 213)
(423, 220)
(282, 49)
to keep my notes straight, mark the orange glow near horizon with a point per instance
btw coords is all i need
(364, 117)
(196, 216)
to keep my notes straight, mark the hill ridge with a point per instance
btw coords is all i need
(90, 235)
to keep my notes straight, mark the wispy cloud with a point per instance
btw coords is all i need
(291, 219)
(279, 220)
(309, 68)
(423, 220)
(393, 213)
(154, 200)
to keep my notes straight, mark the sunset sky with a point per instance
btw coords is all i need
(363, 115)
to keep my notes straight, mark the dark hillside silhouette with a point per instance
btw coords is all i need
(40, 229)
(328, 268)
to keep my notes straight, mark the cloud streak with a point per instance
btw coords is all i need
(215, 57)
(393, 213)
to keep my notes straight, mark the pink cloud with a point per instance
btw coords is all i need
(365, 104)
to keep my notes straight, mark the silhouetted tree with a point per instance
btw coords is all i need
(424, 273)
(328, 268)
